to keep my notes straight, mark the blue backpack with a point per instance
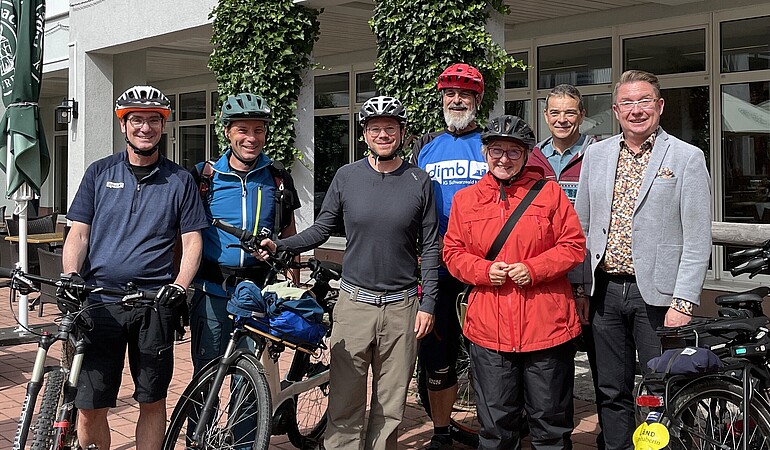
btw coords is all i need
(286, 312)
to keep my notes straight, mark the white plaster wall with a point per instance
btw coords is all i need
(100, 26)
(302, 170)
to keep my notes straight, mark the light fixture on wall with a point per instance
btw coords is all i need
(66, 111)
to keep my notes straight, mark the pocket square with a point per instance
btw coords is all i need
(664, 173)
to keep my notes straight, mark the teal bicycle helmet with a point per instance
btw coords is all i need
(245, 106)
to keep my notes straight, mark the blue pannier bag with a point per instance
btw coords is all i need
(284, 311)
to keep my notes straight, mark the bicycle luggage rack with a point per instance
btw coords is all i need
(307, 347)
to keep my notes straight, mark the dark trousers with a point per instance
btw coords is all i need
(623, 326)
(539, 382)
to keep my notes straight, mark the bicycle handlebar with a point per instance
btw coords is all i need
(131, 294)
(248, 241)
(752, 261)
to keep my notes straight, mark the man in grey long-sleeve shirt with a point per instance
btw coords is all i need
(387, 206)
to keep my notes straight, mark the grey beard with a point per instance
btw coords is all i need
(458, 121)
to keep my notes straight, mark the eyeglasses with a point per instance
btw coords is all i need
(138, 122)
(375, 131)
(497, 152)
(645, 103)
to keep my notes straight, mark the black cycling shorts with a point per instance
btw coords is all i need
(147, 333)
(438, 350)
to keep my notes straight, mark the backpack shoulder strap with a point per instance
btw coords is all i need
(205, 172)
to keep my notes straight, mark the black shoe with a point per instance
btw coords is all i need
(440, 442)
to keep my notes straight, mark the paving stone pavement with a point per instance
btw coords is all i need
(16, 364)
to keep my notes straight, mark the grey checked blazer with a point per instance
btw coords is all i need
(671, 235)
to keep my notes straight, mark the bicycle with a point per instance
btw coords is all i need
(55, 414)
(208, 414)
(725, 407)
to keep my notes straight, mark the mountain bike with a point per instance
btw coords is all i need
(726, 407)
(256, 403)
(51, 421)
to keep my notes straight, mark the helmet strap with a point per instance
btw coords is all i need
(142, 152)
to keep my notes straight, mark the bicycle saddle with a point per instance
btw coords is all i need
(754, 296)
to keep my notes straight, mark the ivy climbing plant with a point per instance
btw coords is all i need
(263, 47)
(418, 39)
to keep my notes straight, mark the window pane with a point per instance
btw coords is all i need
(360, 147)
(666, 53)
(745, 144)
(215, 104)
(61, 166)
(686, 116)
(192, 105)
(514, 76)
(332, 91)
(598, 120)
(192, 143)
(745, 45)
(577, 63)
(332, 136)
(172, 104)
(214, 149)
(365, 87)
(521, 108)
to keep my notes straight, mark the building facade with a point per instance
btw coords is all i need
(712, 57)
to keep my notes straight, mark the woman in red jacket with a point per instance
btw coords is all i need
(521, 315)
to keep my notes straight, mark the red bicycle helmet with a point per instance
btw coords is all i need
(461, 76)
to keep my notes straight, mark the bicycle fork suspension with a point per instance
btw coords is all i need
(213, 396)
(33, 390)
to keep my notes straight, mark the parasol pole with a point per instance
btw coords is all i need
(22, 196)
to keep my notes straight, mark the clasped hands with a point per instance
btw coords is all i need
(500, 271)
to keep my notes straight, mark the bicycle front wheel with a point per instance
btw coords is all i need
(242, 414)
(709, 416)
(41, 433)
(309, 421)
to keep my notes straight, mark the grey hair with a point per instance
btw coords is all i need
(566, 90)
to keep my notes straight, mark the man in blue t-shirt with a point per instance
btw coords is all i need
(126, 217)
(453, 159)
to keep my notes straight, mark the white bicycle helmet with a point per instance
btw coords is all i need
(382, 106)
(142, 98)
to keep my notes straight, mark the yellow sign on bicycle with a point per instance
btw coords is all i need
(650, 436)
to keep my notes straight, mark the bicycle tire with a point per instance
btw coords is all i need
(42, 431)
(247, 383)
(308, 424)
(711, 411)
(463, 424)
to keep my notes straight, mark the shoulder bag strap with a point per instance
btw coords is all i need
(497, 245)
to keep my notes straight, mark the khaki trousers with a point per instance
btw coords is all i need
(364, 336)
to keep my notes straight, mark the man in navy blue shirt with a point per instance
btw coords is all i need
(126, 216)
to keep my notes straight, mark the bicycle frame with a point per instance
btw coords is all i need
(268, 350)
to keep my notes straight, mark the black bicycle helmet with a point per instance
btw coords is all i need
(245, 106)
(508, 126)
(382, 107)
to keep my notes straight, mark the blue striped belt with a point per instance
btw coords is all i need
(377, 298)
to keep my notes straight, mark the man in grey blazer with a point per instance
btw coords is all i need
(644, 205)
